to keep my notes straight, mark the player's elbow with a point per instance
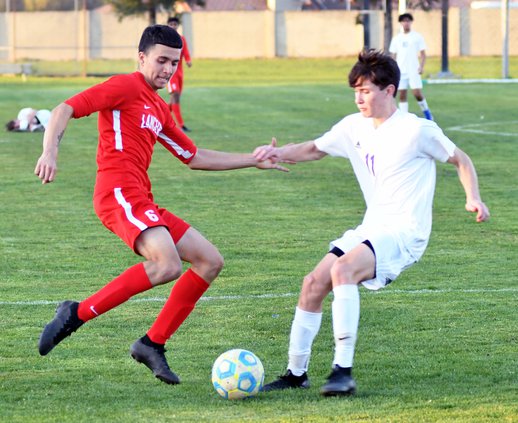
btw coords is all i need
(196, 163)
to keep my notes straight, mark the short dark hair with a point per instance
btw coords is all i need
(377, 67)
(405, 16)
(173, 19)
(10, 126)
(159, 34)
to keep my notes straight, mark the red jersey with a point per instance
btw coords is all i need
(132, 117)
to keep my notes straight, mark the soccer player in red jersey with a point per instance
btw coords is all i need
(132, 117)
(175, 84)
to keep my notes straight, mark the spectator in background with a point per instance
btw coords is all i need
(409, 50)
(29, 120)
(175, 84)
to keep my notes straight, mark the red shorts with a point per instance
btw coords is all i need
(175, 84)
(127, 212)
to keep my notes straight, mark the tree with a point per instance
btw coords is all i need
(125, 8)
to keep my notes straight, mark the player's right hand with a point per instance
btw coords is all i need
(267, 152)
(46, 168)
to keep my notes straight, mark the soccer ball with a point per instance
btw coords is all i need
(237, 374)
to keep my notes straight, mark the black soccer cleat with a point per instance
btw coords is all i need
(185, 129)
(288, 381)
(64, 323)
(154, 359)
(339, 383)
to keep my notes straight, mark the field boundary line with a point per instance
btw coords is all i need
(386, 291)
(473, 128)
(471, 81)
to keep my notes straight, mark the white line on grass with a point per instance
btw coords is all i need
(473, 128)
(471, 81)
(288, 294)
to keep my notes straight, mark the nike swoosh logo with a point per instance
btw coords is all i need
(344, 338)
(93, 310)
(147, 107)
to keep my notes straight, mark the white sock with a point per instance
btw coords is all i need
(423, 104)
(346, 315)
(304, 328)
(403, 106)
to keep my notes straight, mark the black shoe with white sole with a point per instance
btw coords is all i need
(339, 382)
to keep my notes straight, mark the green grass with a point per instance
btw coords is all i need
(439, 344)
(210, 72)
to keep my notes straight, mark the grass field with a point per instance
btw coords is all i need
(439, 344)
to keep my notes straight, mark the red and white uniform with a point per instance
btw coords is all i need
(175, 84)
(132, 117)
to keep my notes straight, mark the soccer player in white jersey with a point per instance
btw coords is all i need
(393, 156)
(409, 49)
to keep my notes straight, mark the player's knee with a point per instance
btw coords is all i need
(313, 290)
(210, 266)
(160, 272)
(171, 272)
(341, 272)
(216, 263)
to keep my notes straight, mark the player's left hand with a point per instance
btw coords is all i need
(478, 207)
(270, 164)
(269, 151)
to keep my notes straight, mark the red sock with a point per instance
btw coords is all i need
(177, 114)
(184, 295)
(121, 289)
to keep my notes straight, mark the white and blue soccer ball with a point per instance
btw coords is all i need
(237, 374)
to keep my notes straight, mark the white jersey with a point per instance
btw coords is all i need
(25, 117)
(407, 47)
(395, 167)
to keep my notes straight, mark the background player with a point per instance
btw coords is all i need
(409, 49)
(393, 156)
(132, 117)
(29, 120)
(175, 84)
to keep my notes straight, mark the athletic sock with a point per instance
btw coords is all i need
(346, 315)
(403, 106)
(177, 114)
(423, 105)
(184, 295)
(133, 281)
(146, 341)
(304, 328)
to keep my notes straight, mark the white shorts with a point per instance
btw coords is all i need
(391, 257)
(412, 80)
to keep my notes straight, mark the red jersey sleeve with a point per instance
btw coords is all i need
(107, 95)
(175, 140)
